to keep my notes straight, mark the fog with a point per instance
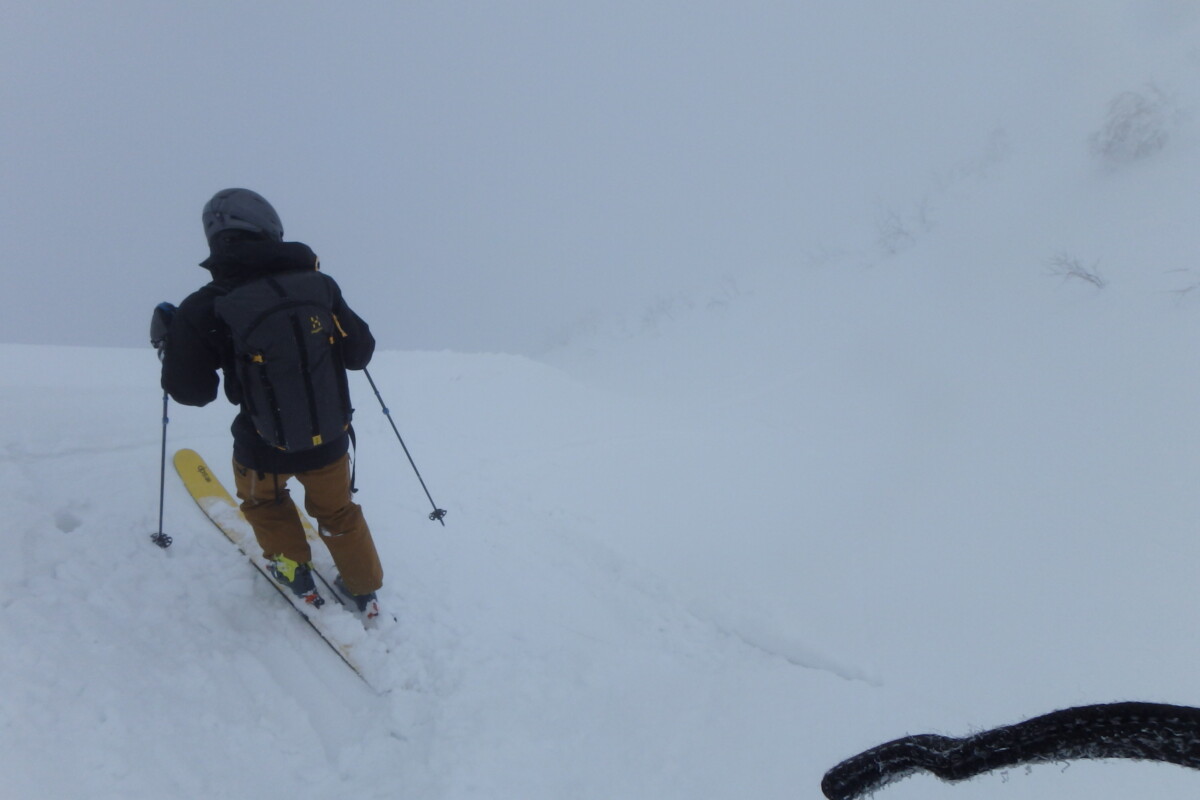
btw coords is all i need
(501, 176)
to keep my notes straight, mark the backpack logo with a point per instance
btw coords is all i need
(315, 323)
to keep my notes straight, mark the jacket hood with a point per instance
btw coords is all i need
(237, 260)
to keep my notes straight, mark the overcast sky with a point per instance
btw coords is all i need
(491, 175)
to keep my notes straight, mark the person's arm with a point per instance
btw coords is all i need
(358, 345)
(192, 353)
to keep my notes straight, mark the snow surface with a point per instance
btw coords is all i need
(924, 480)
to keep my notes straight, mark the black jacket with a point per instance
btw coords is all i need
(199, 346)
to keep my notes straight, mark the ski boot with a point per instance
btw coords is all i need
(367, 604)
(297, 577)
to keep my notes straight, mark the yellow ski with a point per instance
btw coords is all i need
(221, 508)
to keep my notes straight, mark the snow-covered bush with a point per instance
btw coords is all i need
(1137, 125)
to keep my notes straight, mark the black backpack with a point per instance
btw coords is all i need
(286, 343)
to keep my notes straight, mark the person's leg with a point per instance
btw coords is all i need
(342, 526)
(269, 509)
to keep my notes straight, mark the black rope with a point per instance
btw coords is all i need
(1140, 731)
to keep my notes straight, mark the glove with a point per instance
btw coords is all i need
(160, 323)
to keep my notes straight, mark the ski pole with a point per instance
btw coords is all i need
(160, 324)
(160, 538)
(439, 514)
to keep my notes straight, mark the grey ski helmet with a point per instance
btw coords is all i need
(241, 209)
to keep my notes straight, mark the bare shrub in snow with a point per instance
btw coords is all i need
(1137, 125)
(896, 232)
(1069, 268)
(727, 292)
(1192, 285)
(664, 310)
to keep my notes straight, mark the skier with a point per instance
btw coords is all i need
(249, 261)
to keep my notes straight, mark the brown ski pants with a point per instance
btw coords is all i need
(269, 508)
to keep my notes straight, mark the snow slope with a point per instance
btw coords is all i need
(923, 479)
(704, 558)
(533, 659)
